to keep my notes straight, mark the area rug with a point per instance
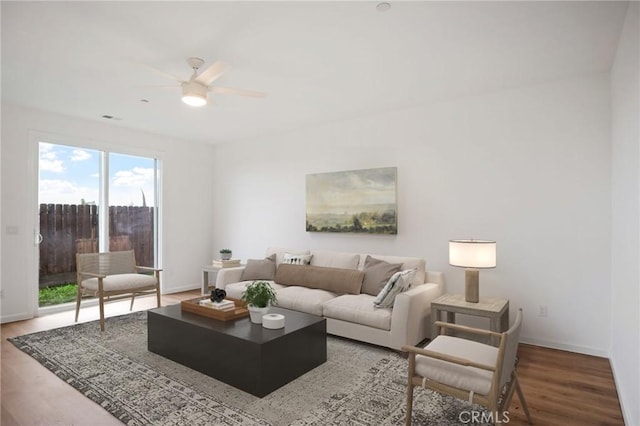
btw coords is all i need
(358, 385)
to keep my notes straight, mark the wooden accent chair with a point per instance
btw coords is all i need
(469, 370)
(113, 275)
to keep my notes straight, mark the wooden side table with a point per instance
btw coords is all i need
(205, 277)
(497, 310)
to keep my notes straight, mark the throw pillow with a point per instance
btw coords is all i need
(260, 269)
(336, 280)
(377, 274)
(399, 282)
(297, 259)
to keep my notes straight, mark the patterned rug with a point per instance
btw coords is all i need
(358, 385)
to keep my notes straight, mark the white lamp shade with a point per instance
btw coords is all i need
(194, 94)
(472, 253)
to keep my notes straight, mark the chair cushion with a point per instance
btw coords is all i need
(302, 299)
(121, 282)
(468, 378)
(357, 309)
(235, 290)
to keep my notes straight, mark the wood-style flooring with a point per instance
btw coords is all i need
(561, 388)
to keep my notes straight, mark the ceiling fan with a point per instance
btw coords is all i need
(194, 90)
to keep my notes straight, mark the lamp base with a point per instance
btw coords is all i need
(471, 285)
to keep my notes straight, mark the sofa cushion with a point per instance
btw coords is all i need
(235, 290)
(376, 274)
(280, 251)
(120, 282)
(399, 282)
(335, 259)
(260, 269)
(407, 263)
(302, 299)
(336, 280)
(296, 259)
(357, 309)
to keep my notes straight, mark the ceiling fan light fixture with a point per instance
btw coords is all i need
(194, 100)
(194, 94)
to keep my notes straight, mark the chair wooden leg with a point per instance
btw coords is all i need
(133, 296)
(78, 298)
(158, 295)
(101, 312)
(521, 397)
(412, 367)
(508, 396)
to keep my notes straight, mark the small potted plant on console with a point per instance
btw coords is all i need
(259, 296)
(225, 254)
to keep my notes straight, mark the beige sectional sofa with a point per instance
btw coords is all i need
(330, 289)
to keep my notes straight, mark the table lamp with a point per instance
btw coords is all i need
(472, 255)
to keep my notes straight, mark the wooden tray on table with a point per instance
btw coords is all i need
(193, 306)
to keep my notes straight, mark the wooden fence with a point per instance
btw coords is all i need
(68, 229)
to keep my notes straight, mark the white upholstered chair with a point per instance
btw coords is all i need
(114, 275)
(469, 370)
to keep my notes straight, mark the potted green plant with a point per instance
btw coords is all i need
(259, 296)
(225, 254)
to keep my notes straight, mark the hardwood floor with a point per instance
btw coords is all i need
(565, 388)
(561, 388)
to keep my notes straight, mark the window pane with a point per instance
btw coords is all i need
(68, 188)
(131, 206)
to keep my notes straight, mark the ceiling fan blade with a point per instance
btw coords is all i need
(164, 74)
(241, 92)
(212, 73)
(159, 87)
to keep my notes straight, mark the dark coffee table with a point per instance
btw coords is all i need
(247, 356)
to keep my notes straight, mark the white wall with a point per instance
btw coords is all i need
(529, 168)
(625, 264)
(186, 203)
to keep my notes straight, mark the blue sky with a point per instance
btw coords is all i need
(69, 175)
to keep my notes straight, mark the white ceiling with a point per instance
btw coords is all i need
(318, 61)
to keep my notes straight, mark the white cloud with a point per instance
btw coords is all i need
(80, 155)
(58, 191)
(54, 166)
(127, 187)
(136, 177)
(49, 161)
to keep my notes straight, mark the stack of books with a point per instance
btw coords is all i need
(231, 263)
(225, 305)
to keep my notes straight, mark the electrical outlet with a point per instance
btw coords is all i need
(542, 311)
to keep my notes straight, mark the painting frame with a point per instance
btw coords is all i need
(363, 201)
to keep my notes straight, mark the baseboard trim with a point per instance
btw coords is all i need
(627, 416)
(187, 287)
(565, 347)
(15, 317)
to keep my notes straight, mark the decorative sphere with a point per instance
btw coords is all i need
(218, 295)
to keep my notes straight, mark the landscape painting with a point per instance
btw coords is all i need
(361, 201)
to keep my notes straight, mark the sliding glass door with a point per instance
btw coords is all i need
(90, 201)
